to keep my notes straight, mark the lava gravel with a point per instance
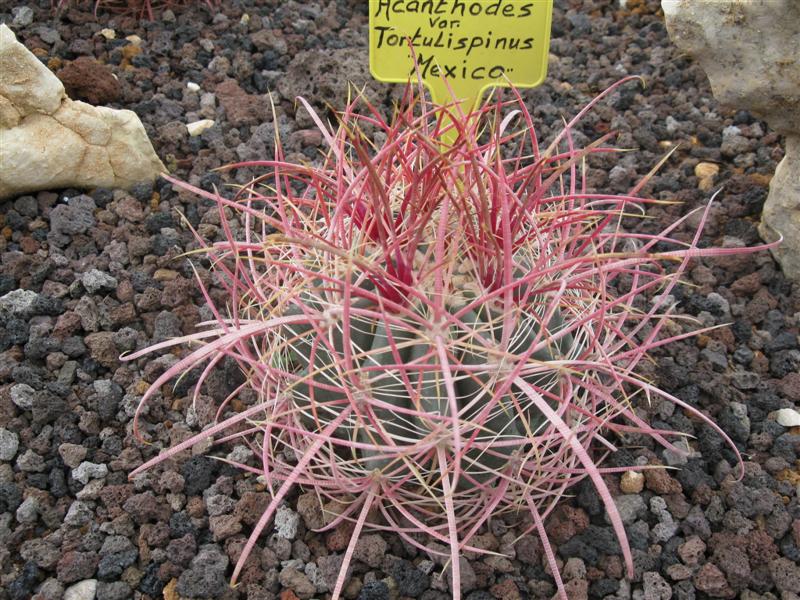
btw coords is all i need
(88, 276)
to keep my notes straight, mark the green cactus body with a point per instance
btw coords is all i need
(403, 375)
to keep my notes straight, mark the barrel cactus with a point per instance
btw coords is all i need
(436, 333)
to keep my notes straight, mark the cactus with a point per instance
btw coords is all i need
(436, 334)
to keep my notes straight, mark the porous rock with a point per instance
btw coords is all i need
(745, 49)
(48, 141)
(86, 79)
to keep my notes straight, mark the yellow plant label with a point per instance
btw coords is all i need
(468, 45)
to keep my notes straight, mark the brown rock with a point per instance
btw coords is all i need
(679, 572)
(566, 523)
(338, 539)
(298, 582)
(692, 550)
(251, 506)
(103, 349)
(67, 324)
(171, 590)
(75, 566)
(224, 526)
(660, 482)
(577, 589)
(747, 285)
(86, 79)
(506, 589)
(241, 107)
(711, 580)
(789, 386)
(144, 507)
(786, 576)
(370, 549)
(309, 508)
(758, 307)
(760, 547)
(631, 482)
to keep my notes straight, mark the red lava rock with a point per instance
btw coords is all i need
(297, 582)
(306, 137)
(789, 386)
(29, 245)
(129, 209)
(67, 324)
(760, 547)
(660, 482)
(145, 507)
(734, 564)
(240, 107)
(370, 549)
(86, 79)
(338, 539)
(178, 291)
(115, 495)
(75, 566)
(612, 565)
(155, 534)
(103, 349)
(679, 572)
(577, 589)
(251, 506)
(309, 508)
(566, 523)
(181, 551)
(786, 575)
(224, 526)
(711, 580)
(747, 285)
(677, 505)
(692, 550)
(506, 590)
(528, 549)
(761, 303)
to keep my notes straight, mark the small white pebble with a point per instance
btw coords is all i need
(193, 87)
(107, 33)
(134, 39)
(788, 417)
(199, 127)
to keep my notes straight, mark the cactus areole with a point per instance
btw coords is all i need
(433, 336)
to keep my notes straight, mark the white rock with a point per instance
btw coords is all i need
(47, 141)
(781, 216)
(286, 522)
(28, 511)
(749, 52)
(87, 470)
(83, 590)
(23, 16)
(788, 417)
(9, 444)
(199, 127)
(192, 86)
(27, 86)
(95, 280)
(23, 396)
(18, 303)
(107, 33)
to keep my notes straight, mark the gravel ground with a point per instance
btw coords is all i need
(85, 277)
